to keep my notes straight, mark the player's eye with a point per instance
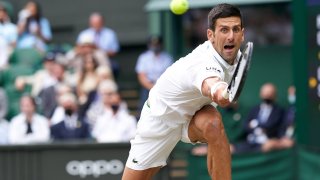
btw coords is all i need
(236, 29)
(224, 30)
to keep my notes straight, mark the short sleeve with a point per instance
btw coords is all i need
(206, 70)
(141, 65)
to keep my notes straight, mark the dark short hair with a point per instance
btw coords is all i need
(155, 39)
(222, 11)
(32, 99)
(49, 56)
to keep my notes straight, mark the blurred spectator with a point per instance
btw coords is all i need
(286, 139)
(8, 37)
(104, 38)
(41, 79)
(34, 29)
(28, 126)
(4, 131)
(115, 124)
(3, 103)
(70, 126)
(97, 107)
(85, 46)
(288, 122)
(150, 65)
(49, 100)
(262, 126)
(48, 96)
(103, 73)
(87, 78)
(4, 125)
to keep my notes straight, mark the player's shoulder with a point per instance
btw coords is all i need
(204, 50)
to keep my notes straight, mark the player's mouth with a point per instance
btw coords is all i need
(229, 47)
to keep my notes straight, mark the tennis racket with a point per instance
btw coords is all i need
(233, 91)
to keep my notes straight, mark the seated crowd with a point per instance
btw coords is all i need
(73, 95)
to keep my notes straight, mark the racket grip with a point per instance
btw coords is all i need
(225, 93)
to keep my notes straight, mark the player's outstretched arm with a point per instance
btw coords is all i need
(214, 88)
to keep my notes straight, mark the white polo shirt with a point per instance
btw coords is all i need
(177, 94)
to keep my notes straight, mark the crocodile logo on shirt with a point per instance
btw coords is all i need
(134, 161)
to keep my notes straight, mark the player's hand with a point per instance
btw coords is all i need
(222, 100)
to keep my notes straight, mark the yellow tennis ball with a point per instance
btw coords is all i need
(179, 6)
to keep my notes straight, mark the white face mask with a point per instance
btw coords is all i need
(291, 99)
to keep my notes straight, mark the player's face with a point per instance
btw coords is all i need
(227, 37)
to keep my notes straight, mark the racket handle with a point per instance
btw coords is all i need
(225, 93)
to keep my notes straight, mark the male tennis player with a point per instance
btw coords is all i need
(181, 105)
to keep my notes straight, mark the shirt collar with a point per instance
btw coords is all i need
(221, 61)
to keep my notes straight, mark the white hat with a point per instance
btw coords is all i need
(85, 39)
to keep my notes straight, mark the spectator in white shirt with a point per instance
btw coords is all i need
(8, 37)
(28, 126)
(115, 124)
(4, 125)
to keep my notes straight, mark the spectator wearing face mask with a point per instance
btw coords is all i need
(262, 125)
(71, 127)
(115, 124)
(150, 65)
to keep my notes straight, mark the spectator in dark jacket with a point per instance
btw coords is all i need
(71, 127)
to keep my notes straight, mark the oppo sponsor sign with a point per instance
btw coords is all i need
(94, 168)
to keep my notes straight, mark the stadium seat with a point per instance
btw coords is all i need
(61, 48)
(29, 57)
(9, 75)
(14, 96)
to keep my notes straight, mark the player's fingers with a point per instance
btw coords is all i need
(225, 93)
(223, 97)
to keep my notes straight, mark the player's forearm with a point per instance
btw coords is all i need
(145, 82)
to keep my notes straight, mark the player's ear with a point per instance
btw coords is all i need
(242, 39)
(210, 35)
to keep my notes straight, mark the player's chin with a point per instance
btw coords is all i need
(229, 56)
